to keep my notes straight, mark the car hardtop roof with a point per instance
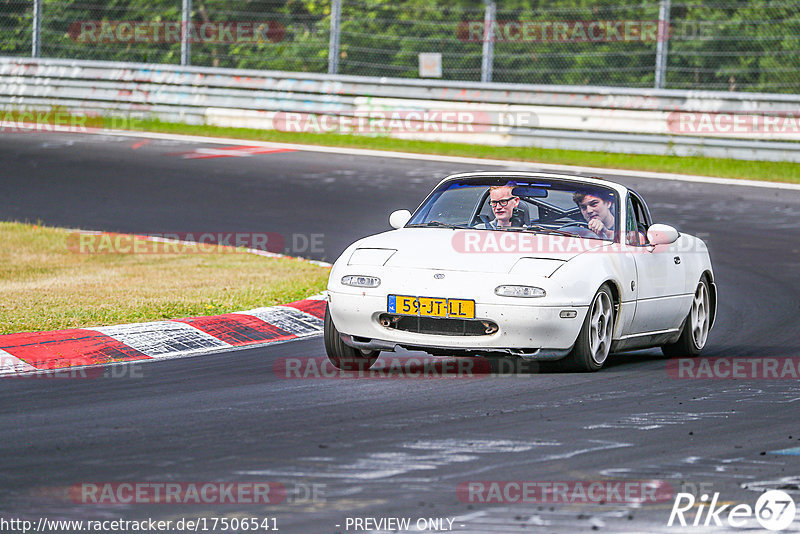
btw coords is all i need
(619, 188)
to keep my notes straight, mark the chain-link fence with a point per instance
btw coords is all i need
(751, 45)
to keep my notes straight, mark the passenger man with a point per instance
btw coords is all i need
(596, 210)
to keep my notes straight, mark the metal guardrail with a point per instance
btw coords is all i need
(759, 126)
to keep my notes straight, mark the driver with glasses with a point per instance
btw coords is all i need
(503, 203)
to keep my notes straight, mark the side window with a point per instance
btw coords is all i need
(632, 235)
(642, 217)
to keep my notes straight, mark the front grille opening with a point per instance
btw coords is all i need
(438, 325)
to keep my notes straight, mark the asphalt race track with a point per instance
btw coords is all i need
(391, 447)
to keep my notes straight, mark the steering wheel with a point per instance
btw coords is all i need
(584, 229)
(582, 224)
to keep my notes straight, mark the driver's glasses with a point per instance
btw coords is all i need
(503, 202)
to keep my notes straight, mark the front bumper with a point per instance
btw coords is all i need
(525, 327)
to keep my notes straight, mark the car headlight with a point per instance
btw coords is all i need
(357, 280)
(371, 256)
(519, 291)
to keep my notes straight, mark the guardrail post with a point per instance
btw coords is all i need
(333, 45)
(36, 32)
(186, 45)
(487, 59)
(662, 43)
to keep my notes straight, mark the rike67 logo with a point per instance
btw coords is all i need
(774, 510)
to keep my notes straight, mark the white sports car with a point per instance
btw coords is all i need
(536, 265)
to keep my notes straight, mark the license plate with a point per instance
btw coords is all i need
(431, 307)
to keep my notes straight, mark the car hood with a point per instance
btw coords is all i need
(473, 250)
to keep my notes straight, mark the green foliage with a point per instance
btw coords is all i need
(16, 18)
(741, 45)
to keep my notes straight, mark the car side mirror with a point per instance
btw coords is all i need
(662, 234)
(399, 218)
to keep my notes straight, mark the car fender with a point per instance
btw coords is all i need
(580, 278)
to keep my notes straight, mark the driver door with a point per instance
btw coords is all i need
(659, 272)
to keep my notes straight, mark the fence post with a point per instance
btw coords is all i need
(36, 33)
(487, 59)
(662, 43)
(186, 45)
(333, 45)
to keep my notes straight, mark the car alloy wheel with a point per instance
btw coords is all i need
(593, 345)
(694, 331)
(700, 318)
(601, 326)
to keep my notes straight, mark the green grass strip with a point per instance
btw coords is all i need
(775, 171)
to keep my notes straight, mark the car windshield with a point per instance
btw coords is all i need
(533, 204)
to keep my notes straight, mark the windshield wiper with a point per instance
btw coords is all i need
(436, 224)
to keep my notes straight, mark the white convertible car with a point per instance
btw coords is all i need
(536, 265)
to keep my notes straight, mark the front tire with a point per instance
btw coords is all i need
(694, 333)
(593, 345)
(343, 356)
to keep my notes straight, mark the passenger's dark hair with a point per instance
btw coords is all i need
(603, 194)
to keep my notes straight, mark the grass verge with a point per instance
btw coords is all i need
(777, 171)
(47, 285)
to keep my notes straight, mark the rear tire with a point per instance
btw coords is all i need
(593, 345)
(694, 332)
(343, 356)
